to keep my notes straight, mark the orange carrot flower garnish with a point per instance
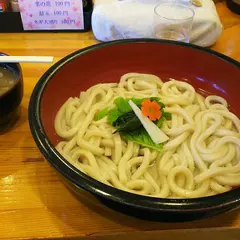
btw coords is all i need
(152, 110)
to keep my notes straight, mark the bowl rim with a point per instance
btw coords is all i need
(91, 185)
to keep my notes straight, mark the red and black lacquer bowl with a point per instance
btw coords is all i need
(204, 69)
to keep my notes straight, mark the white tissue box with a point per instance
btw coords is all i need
(115, 19)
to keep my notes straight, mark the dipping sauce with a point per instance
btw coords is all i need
(11, 93)
(7, 80)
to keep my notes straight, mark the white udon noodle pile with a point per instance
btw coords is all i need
(201, 158)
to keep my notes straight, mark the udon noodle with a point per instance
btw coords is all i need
(201, 157)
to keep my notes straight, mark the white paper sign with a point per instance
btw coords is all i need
(52, 14)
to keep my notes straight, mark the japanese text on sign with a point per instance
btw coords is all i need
(52, 15)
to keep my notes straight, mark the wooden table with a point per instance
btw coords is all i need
(33, 201)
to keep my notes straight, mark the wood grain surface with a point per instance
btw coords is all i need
(34, 203)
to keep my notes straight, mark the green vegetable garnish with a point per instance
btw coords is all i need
(101, 114)
(122, 105)
(159, 122)
(113, 115)
(127, 122)
(166, 115)
(141, 137)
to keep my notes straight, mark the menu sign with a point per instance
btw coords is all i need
(52, 14)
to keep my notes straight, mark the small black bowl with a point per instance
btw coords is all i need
(107, 62)
(10, 101)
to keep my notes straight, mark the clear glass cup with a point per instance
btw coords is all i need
(173, 21)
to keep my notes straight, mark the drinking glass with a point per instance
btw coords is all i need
(173, 21)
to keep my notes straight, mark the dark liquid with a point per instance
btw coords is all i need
(7, 80)
(10, 97)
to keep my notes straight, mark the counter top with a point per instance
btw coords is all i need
(34, 203)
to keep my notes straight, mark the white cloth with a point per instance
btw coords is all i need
(122, 19)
